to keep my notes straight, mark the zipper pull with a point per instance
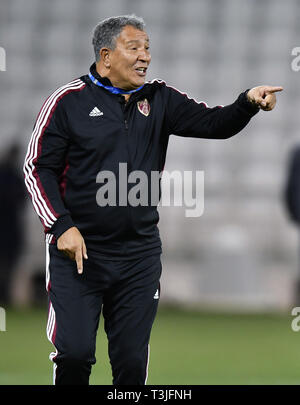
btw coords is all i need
(126, 124)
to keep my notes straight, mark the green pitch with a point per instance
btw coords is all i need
(187, 347)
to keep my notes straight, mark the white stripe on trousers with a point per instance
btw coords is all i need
(51, 315)
(148, 357)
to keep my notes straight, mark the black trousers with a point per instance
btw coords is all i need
(126, 291)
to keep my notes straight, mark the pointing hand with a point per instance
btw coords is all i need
(264, 96)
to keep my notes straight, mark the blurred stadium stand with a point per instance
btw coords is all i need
(242, 253)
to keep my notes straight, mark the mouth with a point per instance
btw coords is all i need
(141, 71)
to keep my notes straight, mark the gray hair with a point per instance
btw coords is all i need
(107, 31)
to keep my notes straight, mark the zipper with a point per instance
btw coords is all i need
(129, 167)
(128, 152)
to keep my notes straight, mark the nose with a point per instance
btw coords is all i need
(145, 56)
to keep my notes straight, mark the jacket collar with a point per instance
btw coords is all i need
(103, 80)
(145, 91)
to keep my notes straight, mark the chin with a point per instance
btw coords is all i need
(138, 83)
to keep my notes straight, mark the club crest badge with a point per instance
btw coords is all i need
(144, 107)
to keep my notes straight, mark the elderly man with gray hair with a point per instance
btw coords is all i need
(103, 252)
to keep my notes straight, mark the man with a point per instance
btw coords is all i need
(108, 256)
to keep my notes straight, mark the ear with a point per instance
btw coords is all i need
(105, 56)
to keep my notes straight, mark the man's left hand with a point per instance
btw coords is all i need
(264, 96)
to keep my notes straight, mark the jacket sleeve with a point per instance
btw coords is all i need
(44, 164)
(190, 118)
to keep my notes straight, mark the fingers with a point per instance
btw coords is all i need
(79, 255)
(84, 252)
(78, 258)
(264, 96)
(270, 101)
(272, 89)
(260, 101)
(270, 97)
(72, 244)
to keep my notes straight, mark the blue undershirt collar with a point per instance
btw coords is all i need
(112, 89)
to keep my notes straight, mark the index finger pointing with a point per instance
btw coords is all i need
(273, 89)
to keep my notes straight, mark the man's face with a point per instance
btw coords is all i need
(130, 59)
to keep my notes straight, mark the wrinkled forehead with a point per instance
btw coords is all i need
(131, 34)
